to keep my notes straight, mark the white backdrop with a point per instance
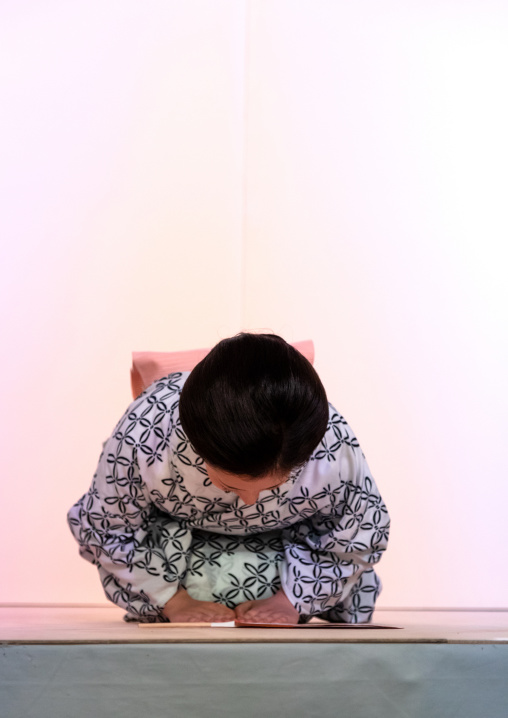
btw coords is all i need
(172, 173)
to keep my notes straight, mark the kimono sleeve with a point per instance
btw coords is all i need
(329, 557)
(141, 553)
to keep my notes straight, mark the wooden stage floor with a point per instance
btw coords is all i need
(104, 624)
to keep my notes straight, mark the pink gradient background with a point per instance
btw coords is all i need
(172, 173)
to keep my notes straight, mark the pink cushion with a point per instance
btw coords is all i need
(149, 366)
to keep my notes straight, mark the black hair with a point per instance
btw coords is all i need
(254, 405)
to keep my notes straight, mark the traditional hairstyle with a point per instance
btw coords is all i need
(254, 405)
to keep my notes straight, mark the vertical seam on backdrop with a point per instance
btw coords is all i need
(245, 119)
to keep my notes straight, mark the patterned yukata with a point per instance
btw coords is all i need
(152, 521)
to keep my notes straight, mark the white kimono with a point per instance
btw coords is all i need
(152, 521)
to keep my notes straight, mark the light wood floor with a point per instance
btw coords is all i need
(47, 624)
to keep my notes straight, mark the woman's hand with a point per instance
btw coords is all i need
(184, 609)
(276, 609)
